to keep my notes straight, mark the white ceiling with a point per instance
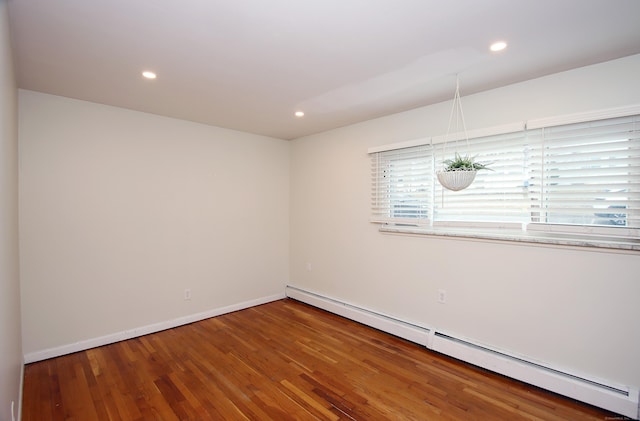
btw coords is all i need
(249, 64)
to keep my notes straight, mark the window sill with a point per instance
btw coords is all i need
(542, 238)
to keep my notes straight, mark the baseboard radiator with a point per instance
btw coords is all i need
(624, 400)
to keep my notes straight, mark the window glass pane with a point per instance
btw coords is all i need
(589, 173)
(402, 185)
(500, 194)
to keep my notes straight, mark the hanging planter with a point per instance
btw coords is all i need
(456, 180)
(458, 173)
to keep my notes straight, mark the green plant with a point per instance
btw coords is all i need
(464, 163)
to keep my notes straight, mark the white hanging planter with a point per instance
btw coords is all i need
(460, 171)
(457, 179)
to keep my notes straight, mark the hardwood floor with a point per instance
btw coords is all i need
(279, 361)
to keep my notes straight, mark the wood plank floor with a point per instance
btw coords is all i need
(279, 361)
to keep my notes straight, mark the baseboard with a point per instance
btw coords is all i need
(618, 398)
(19, 417)
(144, 330)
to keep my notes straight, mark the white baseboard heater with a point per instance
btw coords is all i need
(624, 400)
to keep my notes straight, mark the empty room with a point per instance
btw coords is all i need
(355, 209)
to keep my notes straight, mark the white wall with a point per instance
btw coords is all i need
(122, 211)
(10, 334)
(576, 309)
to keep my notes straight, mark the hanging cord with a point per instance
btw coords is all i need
(456, 110)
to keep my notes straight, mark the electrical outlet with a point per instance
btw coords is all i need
(187, 294)
(442, 296)
(309, 268)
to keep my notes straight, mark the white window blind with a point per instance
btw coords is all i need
(584, 174)
(499, 195)
(402, 185)
(588, 173)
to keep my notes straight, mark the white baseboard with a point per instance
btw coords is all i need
(144, 330)
(19, 413)
(621, 399)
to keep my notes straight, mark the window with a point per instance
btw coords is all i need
(589, 173)
(498, 195)
(402, 185)
(549, 176)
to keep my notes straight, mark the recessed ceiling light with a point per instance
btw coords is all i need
(149, 75)
(498, 46)
(299, 113)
